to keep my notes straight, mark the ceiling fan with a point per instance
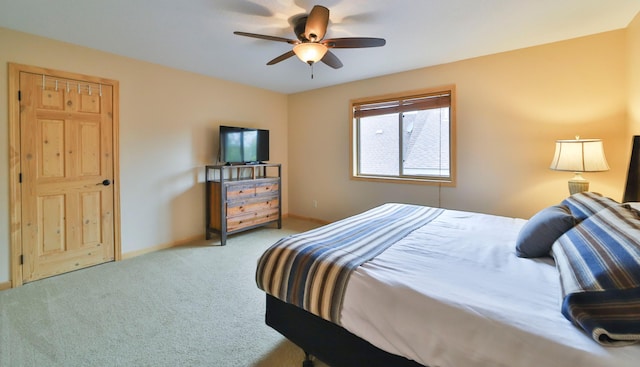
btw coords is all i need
(311, 47)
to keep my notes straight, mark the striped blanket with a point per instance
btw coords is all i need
(585, 204)
(311, 269)
(599, 265)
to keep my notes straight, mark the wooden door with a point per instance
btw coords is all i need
(67, 174)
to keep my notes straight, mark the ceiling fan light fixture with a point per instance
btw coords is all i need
(310, 52)
(310, 45)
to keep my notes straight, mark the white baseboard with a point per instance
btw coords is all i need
(128, 255)
(310, 219)
(147, 250)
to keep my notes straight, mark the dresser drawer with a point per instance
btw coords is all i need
(267, 188)
(252, 218)
(248, 206)
(238, 191)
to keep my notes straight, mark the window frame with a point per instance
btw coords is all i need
(396, 97)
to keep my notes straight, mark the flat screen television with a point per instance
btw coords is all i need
(243, 145)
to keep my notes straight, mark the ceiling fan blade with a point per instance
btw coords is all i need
(332, 60)
(268, 38)
(317, 23)
(282, 57)
(354, 42)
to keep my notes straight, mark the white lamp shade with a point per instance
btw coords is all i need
(580, 155)
(310, 52)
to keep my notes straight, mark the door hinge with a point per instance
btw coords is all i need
(20, 177)
(19, 96)
(21, 259)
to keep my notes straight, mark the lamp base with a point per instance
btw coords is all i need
(578, 184)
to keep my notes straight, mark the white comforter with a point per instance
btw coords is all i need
(454, 294)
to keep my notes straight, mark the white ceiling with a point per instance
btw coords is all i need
(197, 35)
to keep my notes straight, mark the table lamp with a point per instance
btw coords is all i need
(579, 155)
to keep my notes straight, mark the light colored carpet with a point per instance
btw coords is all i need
(194, 305)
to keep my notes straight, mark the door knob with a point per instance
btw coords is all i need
(105, 183)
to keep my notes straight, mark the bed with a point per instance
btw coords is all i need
(407, 286)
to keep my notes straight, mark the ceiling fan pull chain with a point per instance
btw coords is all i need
(311, 64)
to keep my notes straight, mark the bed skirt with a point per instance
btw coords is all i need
(328, 342)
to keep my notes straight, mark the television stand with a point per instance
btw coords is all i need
(240, 197)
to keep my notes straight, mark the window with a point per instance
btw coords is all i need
(405, 137)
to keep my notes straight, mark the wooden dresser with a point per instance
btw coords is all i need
(242, 197)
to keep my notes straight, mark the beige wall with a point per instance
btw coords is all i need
(168, 132)
(511, 107)
(633, 44)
